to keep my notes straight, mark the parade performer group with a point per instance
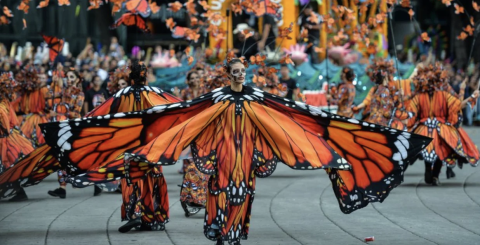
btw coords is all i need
(235, 133)
(229, 136)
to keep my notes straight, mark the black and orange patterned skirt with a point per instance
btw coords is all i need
(194, 186)
(148, 199)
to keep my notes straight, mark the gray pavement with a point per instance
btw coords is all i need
(291, 207)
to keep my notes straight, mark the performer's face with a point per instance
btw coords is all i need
(72, 78)
(238, 73)
(194, 79)
(42, 79)
(122, 84)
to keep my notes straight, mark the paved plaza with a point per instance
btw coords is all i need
(291, 207)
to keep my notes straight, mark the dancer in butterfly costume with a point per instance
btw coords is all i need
(436, 116)
(384, 100)
(30, 106)
(193, 193)
(13, 144)
(470, 149)
(345, 94)
(145, 204)
(236, 132)
(195, 87)
(65, 101)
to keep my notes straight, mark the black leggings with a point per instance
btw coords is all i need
(437, 167)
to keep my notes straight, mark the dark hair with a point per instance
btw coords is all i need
(309, 6)
(283, 65)
(95, 76)
(349, 74)
(138, 72)
(378, 77)
(77, 74)
(232, 62)
(189, 75)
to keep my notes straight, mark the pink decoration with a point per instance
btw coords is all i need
(341, 55)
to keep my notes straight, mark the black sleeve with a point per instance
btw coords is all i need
(88, 98)
(106, 94)
(294, 83)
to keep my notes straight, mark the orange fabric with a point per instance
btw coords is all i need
(13, 145)
(435, 117)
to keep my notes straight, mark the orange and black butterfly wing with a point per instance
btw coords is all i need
(111, 171)
(129, 19)
(4, 124)
(471, 150)
(103, 109)
(31, 170)
(88, 143)
(55, 46)
(3, 131)
(375, 154)
(124, 100)
(139, 6)
(263, 158)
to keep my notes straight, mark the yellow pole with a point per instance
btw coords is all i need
(363, 16)
(323, 9)
(354, 8)
(220, 46)
(373, 9)
(289, 14)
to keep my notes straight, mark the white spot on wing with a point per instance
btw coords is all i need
(63, 130)
(352, 120)
(247, 97)
(63, 139)
(258, 94)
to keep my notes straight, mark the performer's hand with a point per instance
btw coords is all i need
(475, 94)
(464, 83)
(355, 109)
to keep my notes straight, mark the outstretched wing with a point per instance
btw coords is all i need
(103, 109)
(133, 98)
(376, 154)
(166, 149)
(88, 143)
(129, 19)
(29, 171)
(55, 46)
